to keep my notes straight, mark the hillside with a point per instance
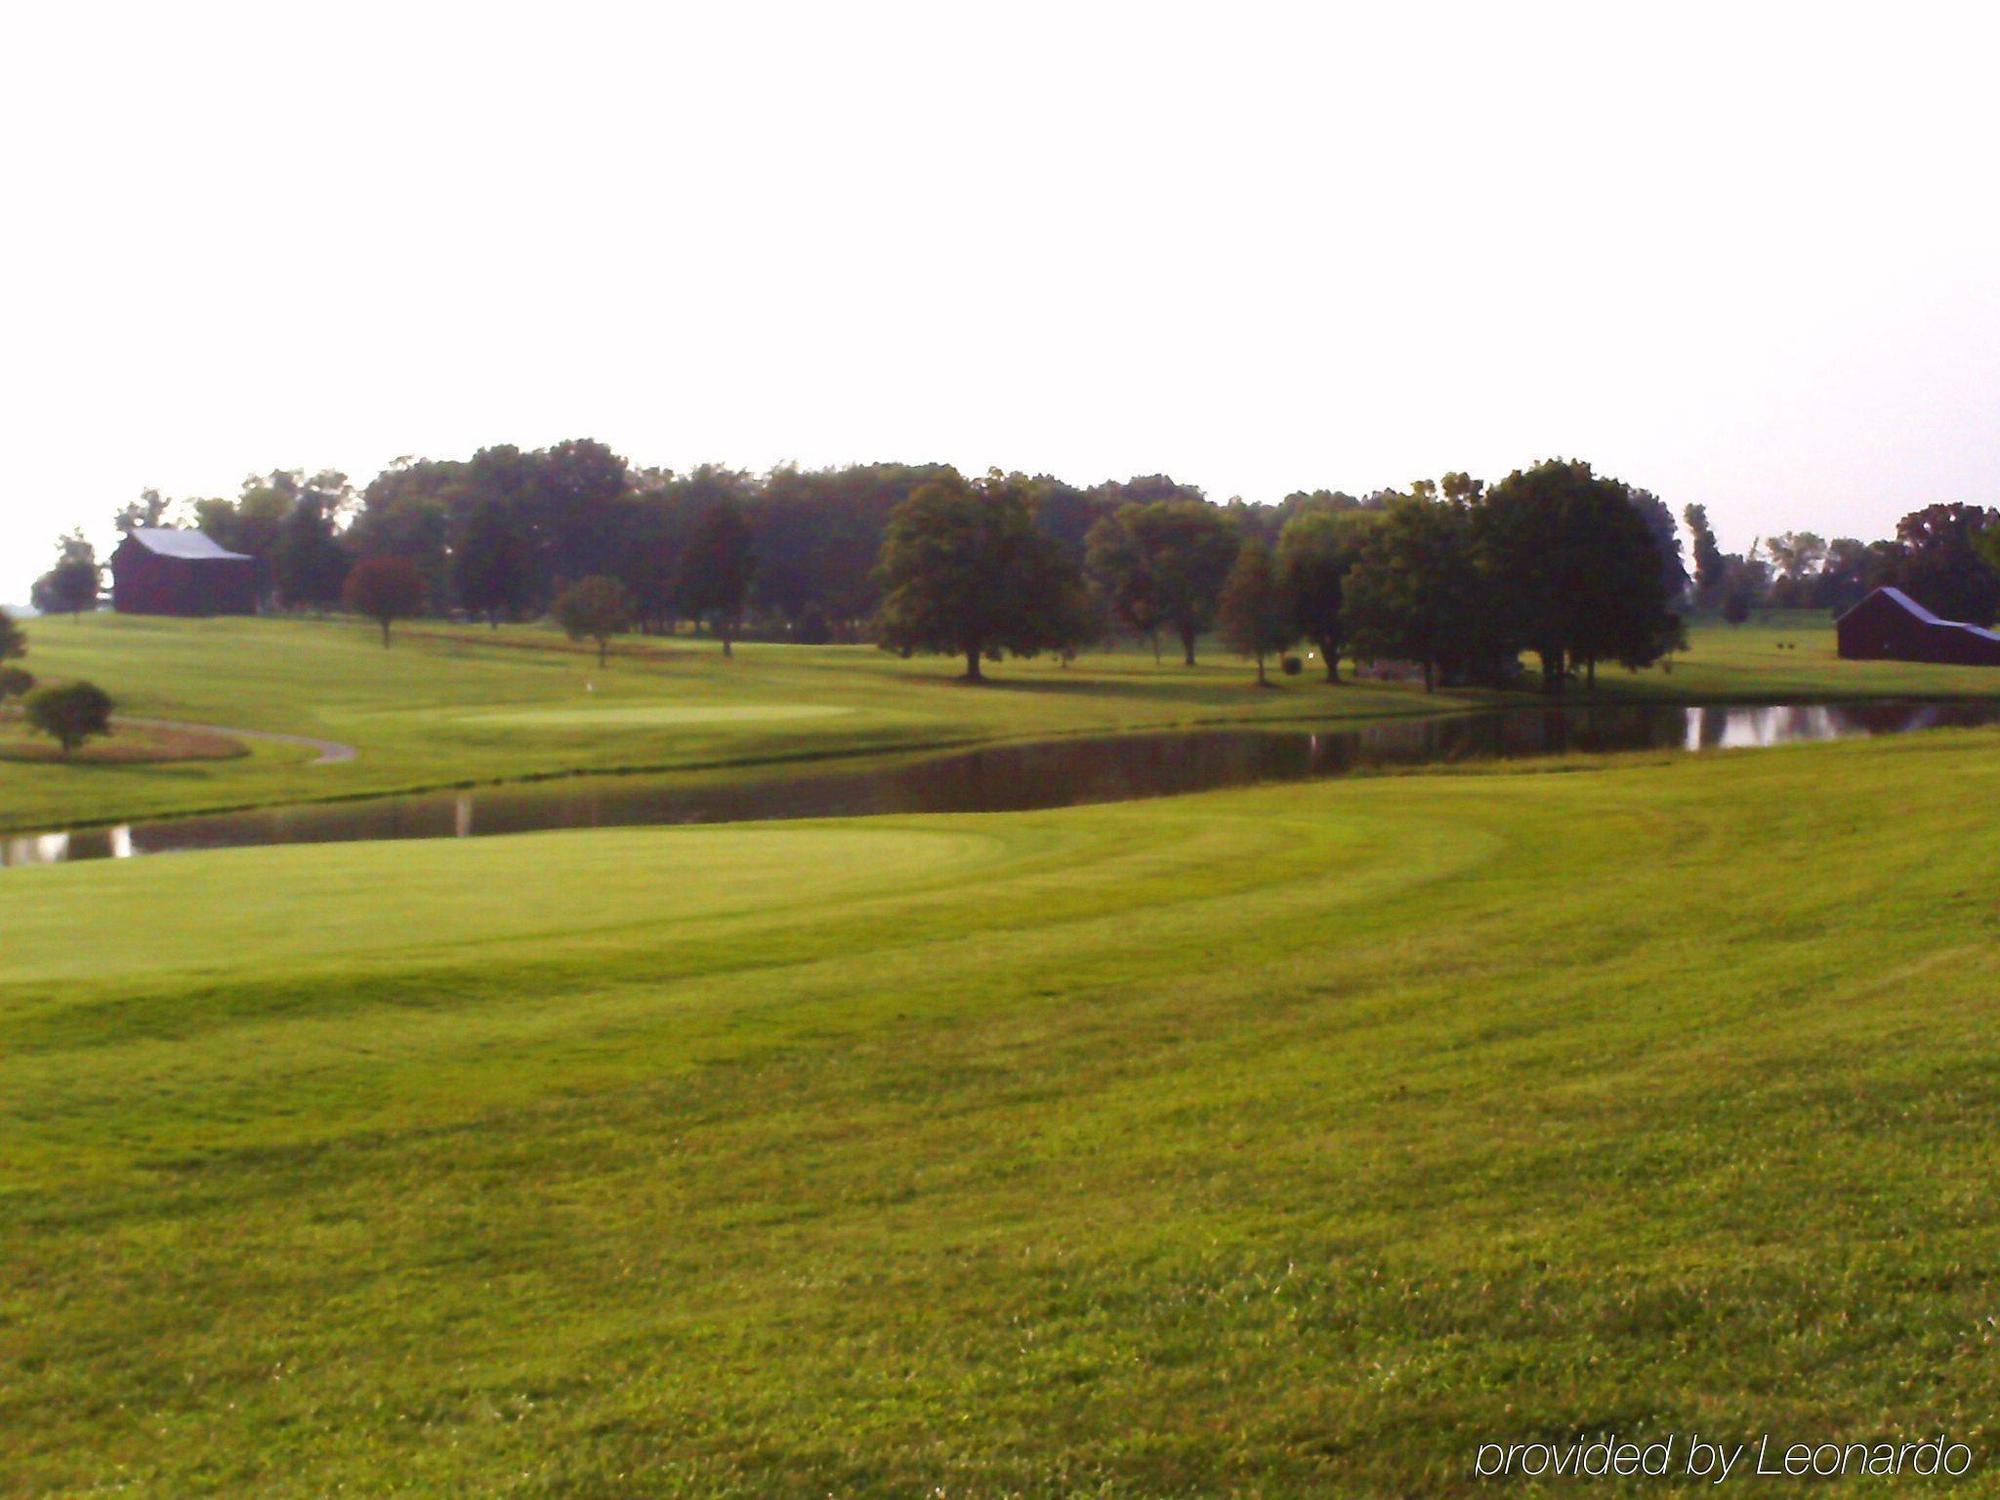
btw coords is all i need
(1287, 1141)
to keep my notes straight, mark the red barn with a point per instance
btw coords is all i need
(159, 570)
(1891, 626)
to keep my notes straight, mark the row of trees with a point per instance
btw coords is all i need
(793, 552)
(1556, 560)
(1947, 557)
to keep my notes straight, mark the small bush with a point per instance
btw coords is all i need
(1291, 666)
(594, 608)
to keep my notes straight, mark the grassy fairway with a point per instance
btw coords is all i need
(453, 707)
(450, 707)
(1286, 1141)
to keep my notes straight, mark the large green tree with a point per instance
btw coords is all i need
(1316, 551)
(1118, 567)
(716, 567)
(965, 572)
(1166, 562)
(1414, 593)
(1575, 568)
(1254, 616)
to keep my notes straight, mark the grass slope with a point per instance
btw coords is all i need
(460, 706)
(451, 707)
(1271, 1142)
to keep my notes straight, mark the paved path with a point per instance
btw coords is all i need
(331, 752)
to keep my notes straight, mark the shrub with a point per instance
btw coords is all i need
(595, 608)
(71, 713)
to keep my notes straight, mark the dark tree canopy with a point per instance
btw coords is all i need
(308, 562)
(819, 537)
(70, 712)
(1659, 519)
(1709, 560)
(407, 511)
(1316, 551)
(385, 589)
(1165, 563)
(1065, 512)
(1119, 571)
(492, 568)
(71, 586)
(1942, 568)
(965, 572)
(580, 487)
(1415, 594)
(1113, 495)
(14, 681)
(716, 567)
(13, 639)
(1576, 568)
(1254, 616)
(150, 509)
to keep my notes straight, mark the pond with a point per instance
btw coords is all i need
(1012, 778)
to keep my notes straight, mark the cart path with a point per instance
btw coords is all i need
(331, 752)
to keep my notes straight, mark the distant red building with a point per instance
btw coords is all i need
(1891, 626)
(163, 571)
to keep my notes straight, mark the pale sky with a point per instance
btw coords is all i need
(1737, 254)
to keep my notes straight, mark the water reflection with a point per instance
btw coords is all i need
(1014, 778)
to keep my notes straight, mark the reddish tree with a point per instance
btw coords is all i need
(385, 589)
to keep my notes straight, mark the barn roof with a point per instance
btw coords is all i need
(1910, 606)
(173, 541)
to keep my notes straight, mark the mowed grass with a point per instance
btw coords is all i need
(466, 706)
(451, 707)
(1288, 1141)
(1788, 656)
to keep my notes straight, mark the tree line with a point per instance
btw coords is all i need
(1454, 576)
(1946, 557)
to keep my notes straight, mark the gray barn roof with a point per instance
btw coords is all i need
(1905, 602)
(171, 541)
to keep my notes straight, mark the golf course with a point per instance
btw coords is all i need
(1284, 1140)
